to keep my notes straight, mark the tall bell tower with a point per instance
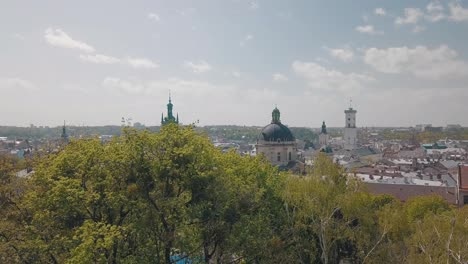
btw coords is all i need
(350, 131)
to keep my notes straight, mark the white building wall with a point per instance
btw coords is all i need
(323, 139)
(350, 138)
(350, 132)
(273, 150)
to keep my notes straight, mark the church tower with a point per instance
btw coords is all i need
(64, 135)
(350, 131)
(170, 117)
(323, 136)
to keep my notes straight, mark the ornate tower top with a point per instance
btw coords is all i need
(170, 116)
(275, 116)
(64, 135)
(324, 128)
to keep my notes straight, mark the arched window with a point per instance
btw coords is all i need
(290, 155)
(279, 156)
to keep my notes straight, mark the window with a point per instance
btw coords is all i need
(465, 199)
(279, 156)
(289, 155)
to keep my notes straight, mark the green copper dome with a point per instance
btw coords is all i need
(276, 131)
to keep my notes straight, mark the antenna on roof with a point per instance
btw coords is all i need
(350, 103)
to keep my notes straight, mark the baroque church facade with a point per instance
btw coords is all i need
(276, 142)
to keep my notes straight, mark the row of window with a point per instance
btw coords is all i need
(279, 156)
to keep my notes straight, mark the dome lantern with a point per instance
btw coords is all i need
(275, 116)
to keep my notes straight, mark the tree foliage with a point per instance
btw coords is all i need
(172, 197)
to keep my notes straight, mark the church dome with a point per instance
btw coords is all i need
(276, 131)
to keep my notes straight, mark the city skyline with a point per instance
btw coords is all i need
(402, 63)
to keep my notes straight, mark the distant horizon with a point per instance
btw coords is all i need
(258, 126)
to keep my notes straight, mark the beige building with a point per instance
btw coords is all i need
(276, 142)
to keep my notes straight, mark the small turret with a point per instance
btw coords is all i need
(276, 116)
(324, 128)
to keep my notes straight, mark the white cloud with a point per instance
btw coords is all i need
(457, 12)
(368, 29)
(154, 17)
(435, 11)
(137, 63)
(278, 77)
(420, 61)
(236, 74)
(189, 88)
(246, 39)
(434, 6)
(412, 16)
(141, 63)
(58, 38)
(17, 83)
(123, 86)
(380, 11)
(198, 67)
(99, 59)
(254, 5)
(344, 54)
(321, 78)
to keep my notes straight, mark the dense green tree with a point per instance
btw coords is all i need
(441, 238)
(148, 198)
(320, 214)
(171, 196)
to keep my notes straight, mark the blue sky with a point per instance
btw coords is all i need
(231, 61)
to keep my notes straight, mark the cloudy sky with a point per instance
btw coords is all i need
(231, 61)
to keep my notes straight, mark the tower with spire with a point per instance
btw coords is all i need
(323, 136)
(64, 135)
(170, 117)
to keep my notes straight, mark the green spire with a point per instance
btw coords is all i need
(324, 128)
(170, 116)
(169, 108)
(64, 135)
(275, 116)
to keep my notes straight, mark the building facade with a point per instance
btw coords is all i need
(276, 142)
